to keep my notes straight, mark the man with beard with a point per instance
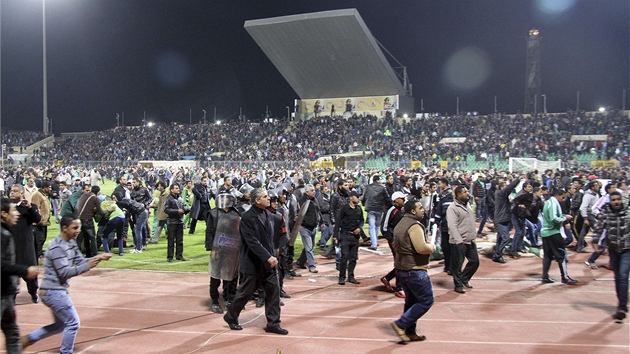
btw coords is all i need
(337, 201)
(614, 220)
(22, 232)
(412, 265)
(348, 228)
(462, 234)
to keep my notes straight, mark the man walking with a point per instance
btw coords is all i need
(376, 202)
(412, 265)
(257, 264)
(553, 243)
(462, 234)
(614, 220)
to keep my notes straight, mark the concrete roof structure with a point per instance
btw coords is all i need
(326, 54)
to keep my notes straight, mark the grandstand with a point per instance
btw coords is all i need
(334, 64)
(388, 143)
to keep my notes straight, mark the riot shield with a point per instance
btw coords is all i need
(226, 246)
(298, 222)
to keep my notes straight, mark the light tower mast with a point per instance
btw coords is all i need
(532, 76)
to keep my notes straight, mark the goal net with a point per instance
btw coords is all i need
(524, 164)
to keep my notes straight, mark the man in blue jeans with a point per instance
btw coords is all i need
(308, 229)
(63, 261)
(503, 218)
(615, 220)
(376, 202)
(412, 264)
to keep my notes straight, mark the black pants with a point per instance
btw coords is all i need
(392, 274)
(229, 289)
(203, 213)
(87, 237)
(175, 236)
(249, 284)
(446, 249)
(40, 233)
(349, 255)
(553, 248)
(458, 254)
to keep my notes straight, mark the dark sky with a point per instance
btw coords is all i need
(164, 57)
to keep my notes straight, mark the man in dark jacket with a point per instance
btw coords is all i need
(10, 272)
(520, 210)
(22, 231)
(324, 204)
(175, 209)
(446, 199)
(308, 228)
(258, 265)
(503, 217)
(201, 203)
(376, 202)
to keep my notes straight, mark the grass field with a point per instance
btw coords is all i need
(154, 258)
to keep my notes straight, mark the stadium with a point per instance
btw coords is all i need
(353, 127)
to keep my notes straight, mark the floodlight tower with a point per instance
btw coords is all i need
(532, 75)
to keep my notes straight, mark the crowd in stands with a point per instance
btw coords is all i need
(488, 137)
(16, 139)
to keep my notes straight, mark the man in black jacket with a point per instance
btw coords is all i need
(22, 230)
(503, 217)
(258, 265)
(10, 272)
(201, 203)
(309, 228)
(446, 199)
(376, 202)
(175, 209)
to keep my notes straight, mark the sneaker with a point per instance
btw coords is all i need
(133, 251)
(25, 342)
(387, 284)
(35, 298)
(547, 281)
(413, 337)
(313, 270)
(216, 308)
(619, 316)
(400, 294)
(260, 302)
(144, 248)
(400, 332)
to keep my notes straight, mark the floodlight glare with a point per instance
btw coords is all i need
(602, 109)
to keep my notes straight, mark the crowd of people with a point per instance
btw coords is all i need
(488, 137)
(18, 140)
(550, 210)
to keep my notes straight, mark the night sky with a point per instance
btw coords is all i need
(164, 57)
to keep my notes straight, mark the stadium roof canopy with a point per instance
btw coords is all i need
(326, 54)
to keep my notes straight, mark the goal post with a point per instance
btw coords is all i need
(526, 164)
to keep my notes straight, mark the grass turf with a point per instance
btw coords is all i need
(154, 258)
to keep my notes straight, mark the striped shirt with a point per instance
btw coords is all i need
(63, 261)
